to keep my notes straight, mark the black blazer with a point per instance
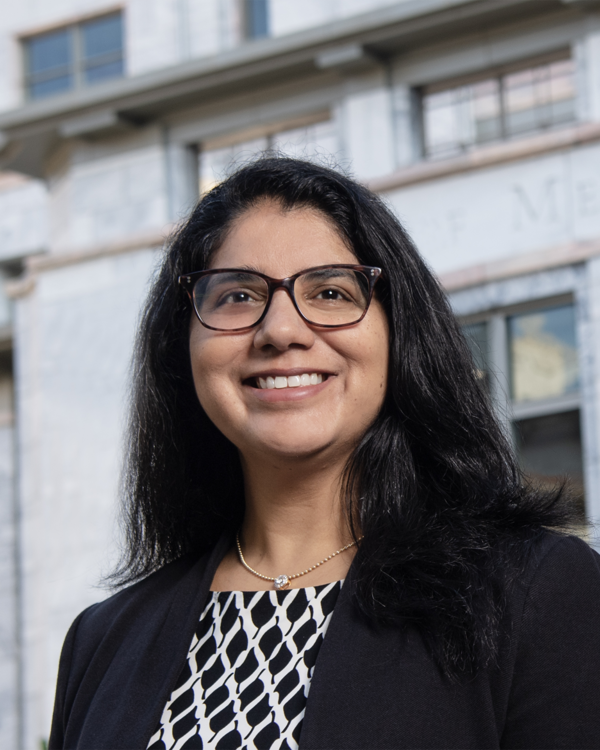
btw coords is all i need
(372, 687)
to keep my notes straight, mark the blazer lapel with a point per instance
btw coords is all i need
(377, 687)
(143, 670)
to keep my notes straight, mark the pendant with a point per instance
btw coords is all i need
(281, 582)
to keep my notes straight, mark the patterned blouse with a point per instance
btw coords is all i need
(248, 671)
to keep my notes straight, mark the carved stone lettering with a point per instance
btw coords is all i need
(536, 208)
(587, 195)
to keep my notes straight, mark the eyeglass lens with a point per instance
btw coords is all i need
(325, 296)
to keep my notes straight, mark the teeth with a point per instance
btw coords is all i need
(292, 382)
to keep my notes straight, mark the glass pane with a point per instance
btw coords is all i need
(256, 17)
(549, 449)
(485, 97)
(49, 63)
(476, 335)
(318, 141)
(217, 163)
(102, 36)
(102, 42)
(539, 97)
(99, 73)
(458, 118)
(49, 51)
(440, 124)
(543, 353)
(47, 88)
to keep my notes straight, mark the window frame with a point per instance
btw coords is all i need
(496, 74)
(498, 359)
(498, 374)
(79, 64)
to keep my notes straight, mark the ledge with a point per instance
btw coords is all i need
(519, 265)
(33, 130)
(51, 261)
(488, 156)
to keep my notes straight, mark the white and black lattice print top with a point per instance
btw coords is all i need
(248, 671)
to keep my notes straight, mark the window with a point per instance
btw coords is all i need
(537, 349)
(508, 105)
(255, 15)
(314, 139)
(78, 55)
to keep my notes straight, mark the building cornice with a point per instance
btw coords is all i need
(27, 134)
(44, 262)
(535, 261)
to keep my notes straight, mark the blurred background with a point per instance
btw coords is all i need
(478, 121)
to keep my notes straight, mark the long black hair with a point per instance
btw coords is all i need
(433, 485)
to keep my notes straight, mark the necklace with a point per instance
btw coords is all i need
(283, 581)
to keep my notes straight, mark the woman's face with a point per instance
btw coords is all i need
(325, 419)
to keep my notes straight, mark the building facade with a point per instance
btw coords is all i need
(478, 121)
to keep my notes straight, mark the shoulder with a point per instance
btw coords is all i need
(104, 626)
(560, 582)
(133, 638)
(562, 568)
(561, 602)
(555, 671)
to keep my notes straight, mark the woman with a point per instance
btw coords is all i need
(313, 418)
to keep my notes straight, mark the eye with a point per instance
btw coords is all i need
(332, 294)
(236, 297)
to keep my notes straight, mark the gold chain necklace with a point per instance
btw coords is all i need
(283, 581)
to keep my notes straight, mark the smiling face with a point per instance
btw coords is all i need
(329, 384)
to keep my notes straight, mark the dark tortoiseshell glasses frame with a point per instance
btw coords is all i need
(371, 273)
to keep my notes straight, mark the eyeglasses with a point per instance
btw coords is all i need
(234, 299)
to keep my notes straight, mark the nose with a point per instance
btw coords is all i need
(282, 326)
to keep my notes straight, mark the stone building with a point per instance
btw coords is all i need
(477, 120)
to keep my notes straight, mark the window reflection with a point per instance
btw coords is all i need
(217, 163)
(539, 97)
(76, 55)
(102, 48)
(543, 354)
(50, 61)
(549, 450)
(315, 141)
(533, 99)
(256, 18)
(476, 335)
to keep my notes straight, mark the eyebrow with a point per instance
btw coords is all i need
(327, 273)
(248, 267)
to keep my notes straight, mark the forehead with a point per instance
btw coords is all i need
(281, 242)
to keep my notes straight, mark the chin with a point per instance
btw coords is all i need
(295, 449)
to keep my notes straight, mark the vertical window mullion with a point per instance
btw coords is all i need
(77, 57)
(503, 128)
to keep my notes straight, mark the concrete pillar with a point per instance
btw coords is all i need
(368, 135)
(182, 178)
(9, 681)
(587, 59)
(406, 125)
(588, 330)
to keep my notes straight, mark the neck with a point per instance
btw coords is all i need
(294, 514)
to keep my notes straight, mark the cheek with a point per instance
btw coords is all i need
(369, 354)
(209, 359)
